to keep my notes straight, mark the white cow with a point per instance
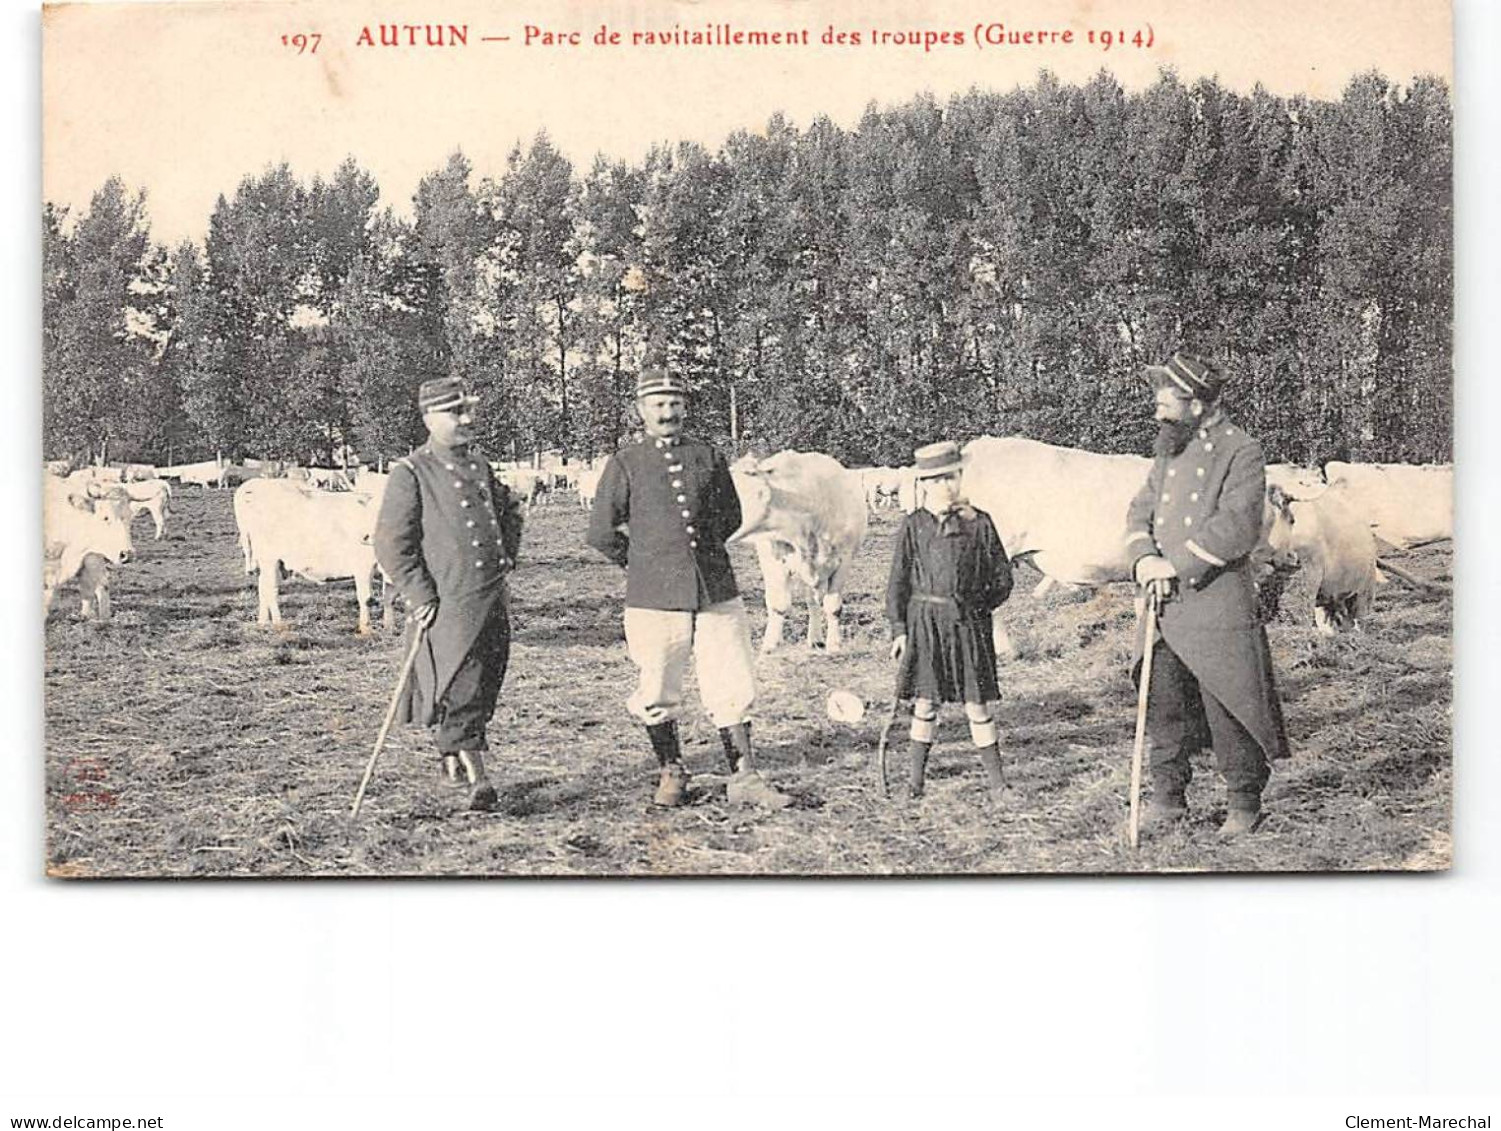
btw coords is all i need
(82, 537)
(805, 515)
(881, 486)
(526, 483)
(1405, 504)
(1333, 539)
(1062, 509)
(588, 486)
(1297, 482)
(204, 474)
(319, 535)
(151, 496)
(328, 479)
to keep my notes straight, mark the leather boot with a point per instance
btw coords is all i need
(917, 765)
(672, 786)
(746, 787)
(664, 742)
(736, 742)
(1167, 807)
(1244, 817)
(482, 796)
(1000, 791)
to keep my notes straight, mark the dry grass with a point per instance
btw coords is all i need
(182, 740)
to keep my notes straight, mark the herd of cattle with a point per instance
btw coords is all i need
(1061, 509)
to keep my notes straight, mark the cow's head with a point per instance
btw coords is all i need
(754, 489)
(1279, 528)
(110, 533)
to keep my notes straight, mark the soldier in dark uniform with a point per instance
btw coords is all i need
(664, 508)
(1191, 530)
(447, 535)
(949, 572)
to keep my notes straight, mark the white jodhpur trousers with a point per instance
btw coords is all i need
(717, 638)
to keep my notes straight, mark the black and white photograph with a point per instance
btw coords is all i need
(747, 439)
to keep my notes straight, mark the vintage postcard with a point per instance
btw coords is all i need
(778, 438)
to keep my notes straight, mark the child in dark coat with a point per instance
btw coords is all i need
(948, 572)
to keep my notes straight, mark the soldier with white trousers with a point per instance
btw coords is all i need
(664, 509)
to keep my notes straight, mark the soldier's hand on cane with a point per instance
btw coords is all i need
(898, 646)
(424, 615)
(1156, 574)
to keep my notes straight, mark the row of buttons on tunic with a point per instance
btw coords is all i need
(676, 469)
(469, 523)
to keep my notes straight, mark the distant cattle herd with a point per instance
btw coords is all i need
(1063, 510)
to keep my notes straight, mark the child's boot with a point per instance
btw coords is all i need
(1000, 790)
(917, 754)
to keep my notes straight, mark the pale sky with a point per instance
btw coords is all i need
(184, 100)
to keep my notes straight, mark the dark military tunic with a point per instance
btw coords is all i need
(1202, 511)
(448, 531)
(947, 576)
(679, 503)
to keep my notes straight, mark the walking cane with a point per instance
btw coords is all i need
(883, 778)
(1134, 822)
(385, 727)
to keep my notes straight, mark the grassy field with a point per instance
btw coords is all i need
(183, 740)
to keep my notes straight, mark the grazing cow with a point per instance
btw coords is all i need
(372, 484)
(805, 515)
(1332, 538)
(152, 496)
(319, 535)
(206, 473)
(144, 496)
(82, 537)
(1297, 482)
(881, 486)
(527, 484)
(328, 479)
(1062, 509)
(1405, 504)
(588, 486)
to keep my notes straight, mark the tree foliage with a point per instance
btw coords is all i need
(1002, 263)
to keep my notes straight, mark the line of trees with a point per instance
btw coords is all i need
(1005, 263)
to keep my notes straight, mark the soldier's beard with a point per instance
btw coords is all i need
(1172, 437)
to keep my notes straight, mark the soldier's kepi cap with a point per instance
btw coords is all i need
(443, 395)
(1189, 374)
(937, 459)
(660, 381)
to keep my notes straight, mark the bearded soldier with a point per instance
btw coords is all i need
(447, 535)
(664, 508)
(1192, 528)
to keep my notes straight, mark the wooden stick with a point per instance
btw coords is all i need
(1133, 825)
(1416, 582)
(883, 749)
(385, 726)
